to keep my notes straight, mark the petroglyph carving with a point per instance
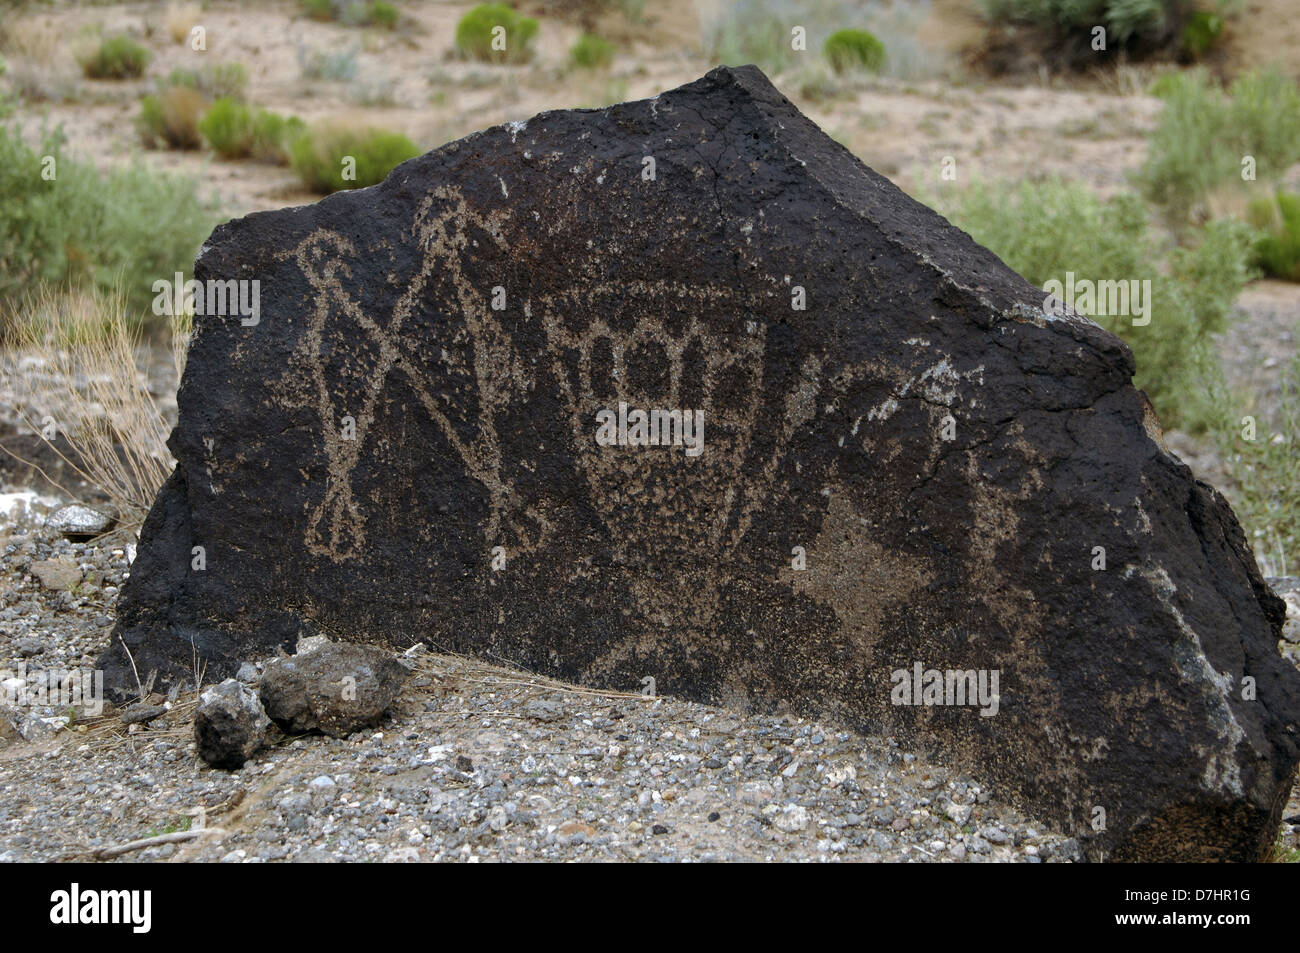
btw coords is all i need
(716, 496)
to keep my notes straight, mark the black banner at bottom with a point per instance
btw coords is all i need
(146, 904)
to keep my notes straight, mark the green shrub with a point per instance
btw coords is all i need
(353, 12)
(474, 34)
(1045, 230)
(129, 226)
(317, 156)
(592, 52)
(214, 81)
(382, 15)
(1264, 120)
(1164, 85)
(762, 32)
(273, 134)
(1277, 249)
(848, 50)
(224, 80)
(1265, 487)
(170, 119)
(319, 9)
(1201, 33)
(1125, 21)
(1186, 156)
(117, 57)
(1204, 132)
(228, 127)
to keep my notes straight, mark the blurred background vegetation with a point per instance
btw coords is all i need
(1165, 147)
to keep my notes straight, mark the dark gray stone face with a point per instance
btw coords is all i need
(910, 474)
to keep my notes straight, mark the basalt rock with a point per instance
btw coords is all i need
(229, 725)
(80, 522)
(335, 688)
(884, 461)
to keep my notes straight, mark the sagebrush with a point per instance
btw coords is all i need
(123, 228)
(1209, 138)
(495, 33)
(1044, 230)
(335, 156)
(116, 57)
(171, 119)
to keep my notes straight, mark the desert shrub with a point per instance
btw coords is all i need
(1264, 120)
(474, 36)
(1277, 249)
(1265, 488)
(273, 134)
(848, 50)
(1186, 156)
(592, 52)
(171, 119)
(214, 81)
(818, 83)
(116, 57)
(1204, 132)
(1136, 24)
(229, 128)
(322, 10)
(1165, 84)
(38, 67)
(86, 351)
(317, 156)
(1043, 230)
(752, 31)
(335, 66)
(179, 19)
(128, 226)
(1201, 33)
(352, 12)
(587, 13)
(229, 80)
(382, 14)
(737, 32)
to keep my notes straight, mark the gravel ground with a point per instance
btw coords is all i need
(474, 763)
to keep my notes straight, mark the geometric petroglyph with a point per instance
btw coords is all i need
(712, 499)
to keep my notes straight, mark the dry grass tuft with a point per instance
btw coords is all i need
(39, 66)
(179, 19)
(467, 669)
(171, 119)
(81, 378)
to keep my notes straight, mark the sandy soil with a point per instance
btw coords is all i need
(901, 129)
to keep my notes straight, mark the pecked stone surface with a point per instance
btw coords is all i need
(913, 472)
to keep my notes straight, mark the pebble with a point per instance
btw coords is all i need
(959, 814)
(791, 818)
(29, 648)
(76, 520)
(995, 835)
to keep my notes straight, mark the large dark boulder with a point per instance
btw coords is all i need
(912, 473)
